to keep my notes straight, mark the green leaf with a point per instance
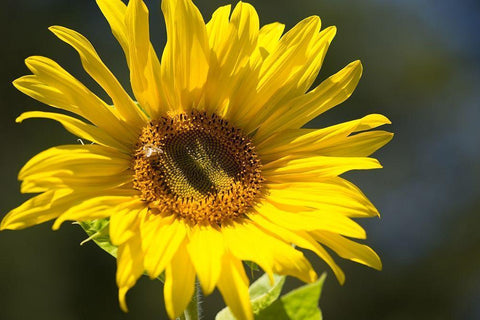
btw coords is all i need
(299, 304)
(97, 231)
(262, 295)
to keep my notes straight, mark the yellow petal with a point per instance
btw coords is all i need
(270, 253)
(101, 74)
(359, 145)
(186, 54)
(287, 170)
(76, 160)
(78, 128)
(239, 39)
(129, 267)
(290, 69)
(143, 61)
(218, 28)
(132, 33)
(217, 91)
(41, 208)
(298, 111)
(114, 12)
(161, 238)
(349, 249)
(293, 141)
(179, 282)
(78, 98)
(60, 180)
(301, 239)
(206, 249)
(90, 207)
(300, 80)
(124, 220)
(232, 43)
(233, 285)
(33, 87)
(268, 37)
(334, 195)
(310, 220)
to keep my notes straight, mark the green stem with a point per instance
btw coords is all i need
(193, 309)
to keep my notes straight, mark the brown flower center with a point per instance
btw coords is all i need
(197, 167)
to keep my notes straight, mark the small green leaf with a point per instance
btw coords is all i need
(262, 295)
(299, 304)
(97, 231)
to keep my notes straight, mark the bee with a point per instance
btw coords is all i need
(151, 151)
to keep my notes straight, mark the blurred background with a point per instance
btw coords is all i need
(422, 70)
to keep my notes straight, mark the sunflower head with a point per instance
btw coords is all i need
(197, 167)
(207, 165)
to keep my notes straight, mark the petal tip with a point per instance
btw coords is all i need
(3, 225)
(20, 119)
(56, 225)
(122, 292)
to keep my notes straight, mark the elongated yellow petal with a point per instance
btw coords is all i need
(62, 179)
(218, 28)
(33, 87)
(124, 220)
(293, 141)
(233, 284)
(96, 68)
(143, 61)
(78, 128)
(300, 80)
(206, 248)
(329, 196)
(186, 54)
(240, 38)
(271, 254)
(129, 267)
(232, 42)
(349, 249)
(179, 282)
(290, 69)
(79, 160)
(359, 145)
(301, 239)
(298, 111)
(161, 238)
(286, 170)
(316, 54)
(276, 72)
(80, 100)
(41, 208)
(268, 38)
(114, 12)
(310, 220)
(88, 207)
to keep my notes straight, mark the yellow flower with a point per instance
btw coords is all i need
(208, 166)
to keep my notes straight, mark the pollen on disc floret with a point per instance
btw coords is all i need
(197, 167)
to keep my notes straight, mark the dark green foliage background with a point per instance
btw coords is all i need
(421, 62)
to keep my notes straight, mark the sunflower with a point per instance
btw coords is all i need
(208, 165)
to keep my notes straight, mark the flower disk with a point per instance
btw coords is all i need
(197, 167)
